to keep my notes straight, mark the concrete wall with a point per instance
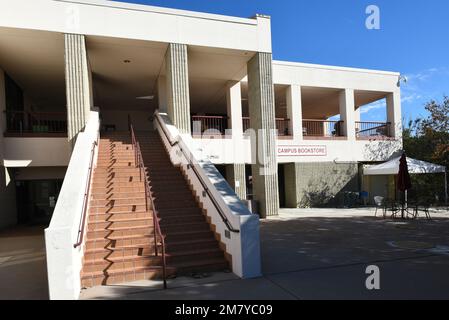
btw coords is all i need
(36, 152)
(40, 173)
(236, 150)
(141, 119)
(123, 20)
(323, 184)
(313, 75)
(64, 262)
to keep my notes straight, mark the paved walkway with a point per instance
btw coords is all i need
(306, 254)
(323, 254)
(23, 271)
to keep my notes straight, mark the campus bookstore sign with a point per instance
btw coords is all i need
(302, 151)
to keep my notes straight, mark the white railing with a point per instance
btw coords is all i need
(64, 260)
(237, 226)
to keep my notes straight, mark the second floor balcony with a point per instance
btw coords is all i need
(312, 129)
(40, 124)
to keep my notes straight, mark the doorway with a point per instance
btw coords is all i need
(36, 200)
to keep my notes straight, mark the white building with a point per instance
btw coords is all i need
(202, 81)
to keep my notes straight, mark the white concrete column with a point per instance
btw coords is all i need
(79, 96)
(262, 120)
(8, 212)
(236, 178)
(294, 111)
(357, 115)
(394, 114)
(234, 108)
(178, 97)
(162, 94)
(347, 113)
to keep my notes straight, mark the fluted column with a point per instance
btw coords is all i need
(78, 84)
(262, 120)
(237, 179)
(177, 75)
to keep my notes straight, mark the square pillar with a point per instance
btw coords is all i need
(357, 115)
(234, 108)
(235, 175)
(394, 114)
(347, 113)
(262, 120)
(294, 111)
(178, 96)
(79, 96)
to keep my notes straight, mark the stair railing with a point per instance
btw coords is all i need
(80, 236)
(156, 226)
(200, 179)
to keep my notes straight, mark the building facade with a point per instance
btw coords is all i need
(282, 134)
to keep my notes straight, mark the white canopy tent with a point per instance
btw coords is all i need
(414, 167)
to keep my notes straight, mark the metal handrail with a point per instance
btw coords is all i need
(157, 229)
(80, 236)
(200, 178)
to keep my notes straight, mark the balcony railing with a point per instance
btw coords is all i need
(210, 123)
(23, 122)
(282, 125)
(372, 129)
(322, 128)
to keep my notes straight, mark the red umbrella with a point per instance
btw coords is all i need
(404, 181)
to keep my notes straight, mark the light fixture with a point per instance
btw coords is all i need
(145, 98)
(403, 79)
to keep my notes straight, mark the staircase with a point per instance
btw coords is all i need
(191, 246)
(120, 242)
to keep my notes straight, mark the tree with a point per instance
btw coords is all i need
(435, 128)
(428, 139)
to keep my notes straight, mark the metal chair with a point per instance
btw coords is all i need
(379, 201)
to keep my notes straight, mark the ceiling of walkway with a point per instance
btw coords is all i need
(127, 69)
(35, 60)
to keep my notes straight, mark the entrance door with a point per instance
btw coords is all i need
(281, 185)
(36, 200)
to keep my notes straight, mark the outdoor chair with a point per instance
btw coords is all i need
(379, 201)
(424, 208)
(392, 206)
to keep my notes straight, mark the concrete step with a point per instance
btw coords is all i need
(111, 217)
(119, 223)
(117, 209)
(136, 199)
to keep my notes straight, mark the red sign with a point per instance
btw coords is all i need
(302, 151)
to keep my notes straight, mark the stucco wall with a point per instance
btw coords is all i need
(323, 184)
(40, 173)
(125, 20)
(36, 152)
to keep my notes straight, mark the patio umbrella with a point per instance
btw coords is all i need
(404, 181)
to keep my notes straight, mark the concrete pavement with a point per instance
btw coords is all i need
(306, 254)
(23, 270)
(323, 254)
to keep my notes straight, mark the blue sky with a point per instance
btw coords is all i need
(413, 39)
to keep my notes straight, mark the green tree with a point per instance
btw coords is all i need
(428, 139)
